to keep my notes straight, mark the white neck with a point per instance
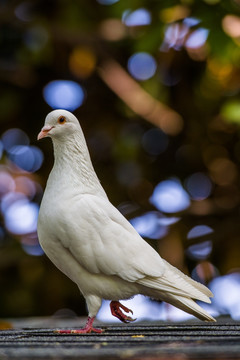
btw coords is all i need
(72, 162)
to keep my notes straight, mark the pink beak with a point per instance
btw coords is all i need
(44, 132)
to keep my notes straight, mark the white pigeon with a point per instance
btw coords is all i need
(91, 242)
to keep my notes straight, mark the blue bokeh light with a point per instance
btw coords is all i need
(142, 66)
(199, 186)
(200, 251)
(9, 198)
(148, 225)
(170, 197)
(30, 244)
(28, 158)
(64, 94)
(191, 21)
(137, 17)
(226, 290)
(21, 217)
(203, 249)
(107, 2)
(199, 230)
(14, 137)
(34, 250)
(197, 38)
(155, 141)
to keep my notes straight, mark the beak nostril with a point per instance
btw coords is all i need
(44, 132)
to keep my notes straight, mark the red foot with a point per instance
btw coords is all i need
(115, 307)
(87, 329)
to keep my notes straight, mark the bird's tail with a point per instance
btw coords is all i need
(180, 290)
(190, 306)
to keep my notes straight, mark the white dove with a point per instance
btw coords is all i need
(91, 242)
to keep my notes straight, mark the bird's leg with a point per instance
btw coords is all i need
(88, 328)
(116, 307)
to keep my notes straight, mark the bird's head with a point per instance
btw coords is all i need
(59, 123)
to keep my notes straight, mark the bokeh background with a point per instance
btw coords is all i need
(156, 87)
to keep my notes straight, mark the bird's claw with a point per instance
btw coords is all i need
(116, 311)
(129, 319)
(86, 330)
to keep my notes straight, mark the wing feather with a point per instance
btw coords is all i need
(103, 241)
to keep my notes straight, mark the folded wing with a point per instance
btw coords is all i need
(103, 241)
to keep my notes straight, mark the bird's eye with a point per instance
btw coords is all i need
(61, 120)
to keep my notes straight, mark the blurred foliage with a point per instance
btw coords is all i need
(195, 90)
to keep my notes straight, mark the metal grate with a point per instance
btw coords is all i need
(148, 341)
